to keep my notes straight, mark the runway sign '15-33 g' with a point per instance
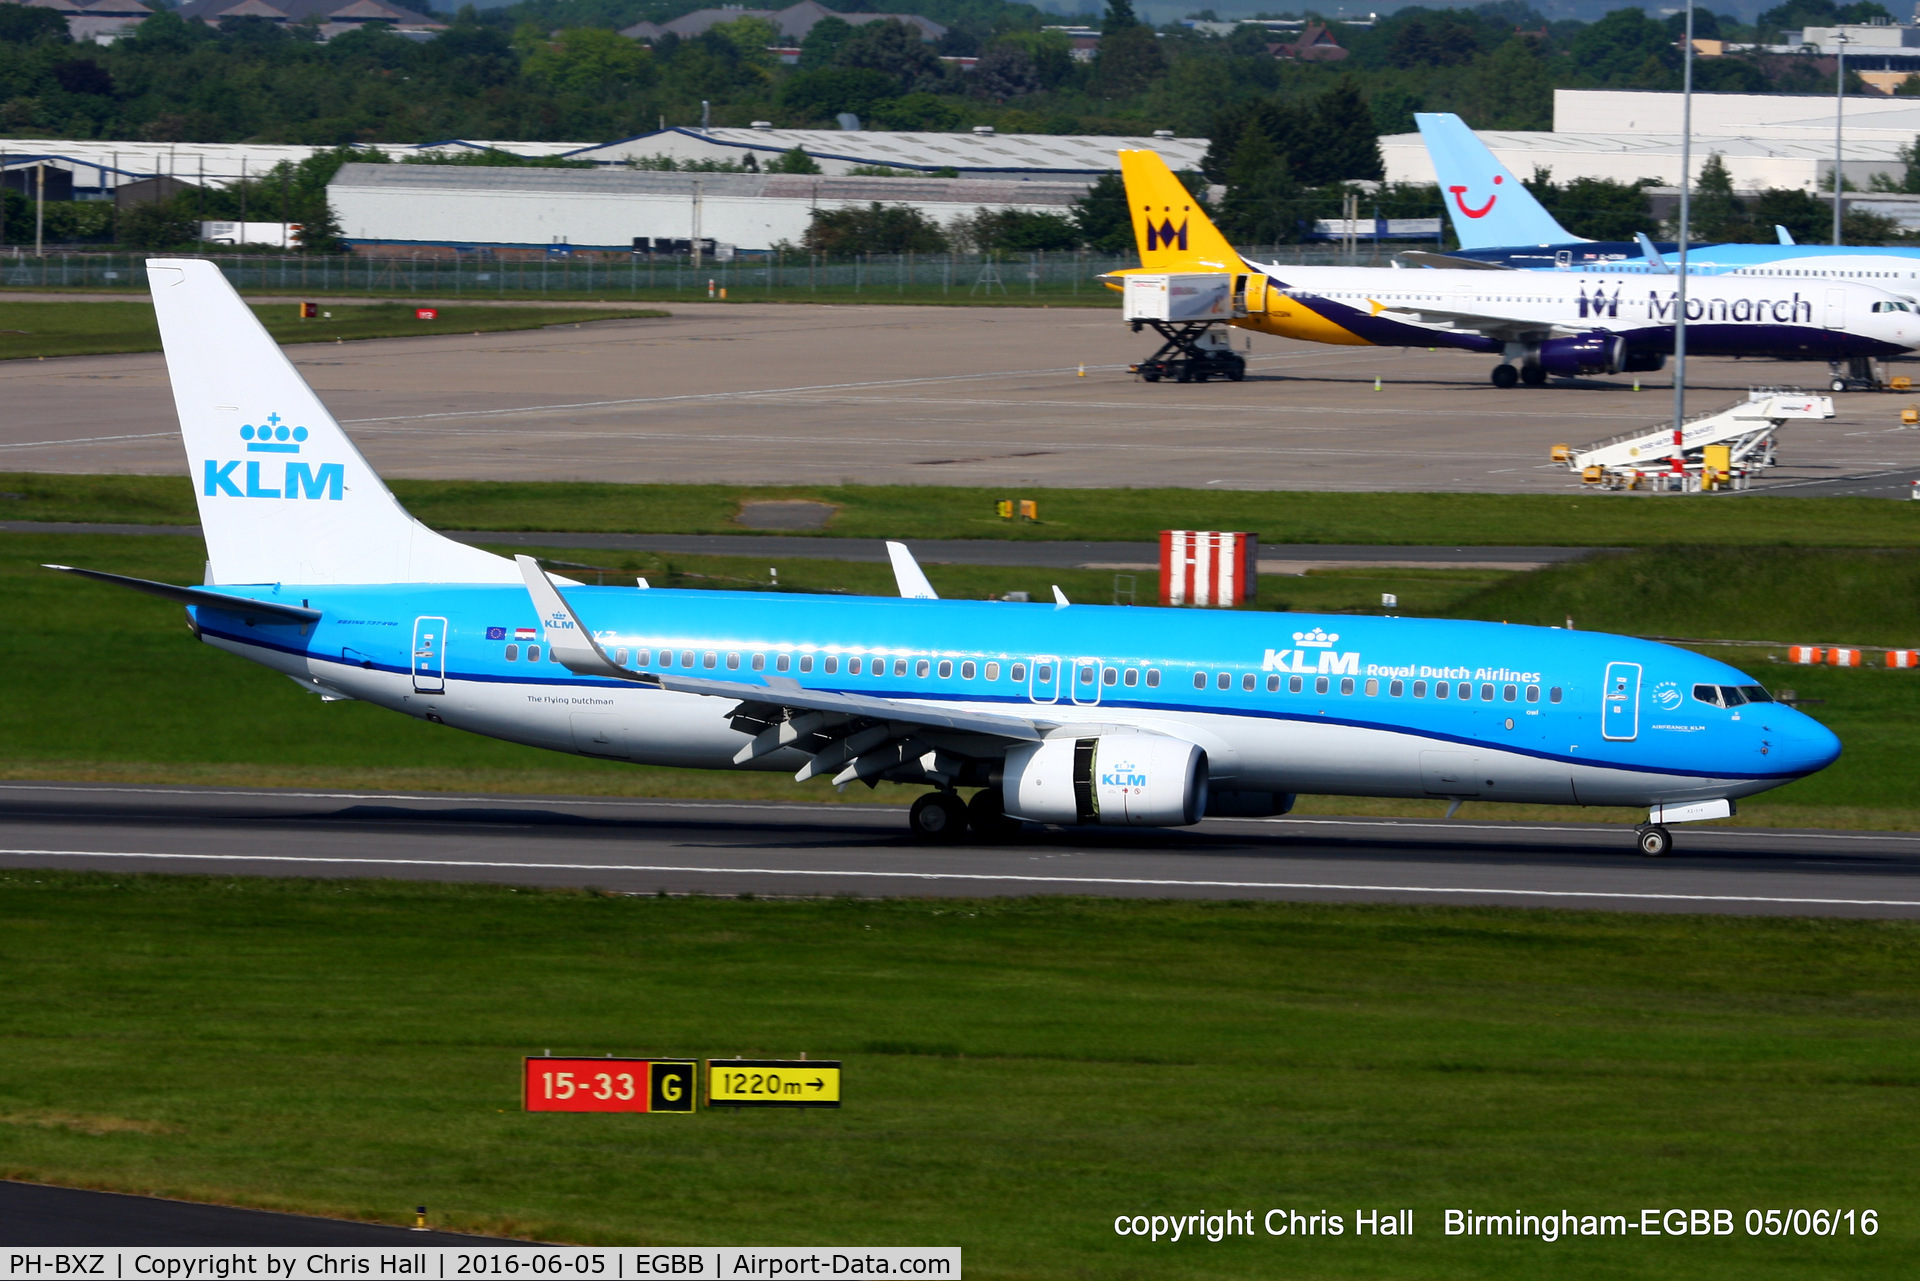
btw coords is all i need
(773, 1083)
(610, 1085)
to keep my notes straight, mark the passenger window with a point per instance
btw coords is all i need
(513, 653)
(853, 667)
(733, 662)
(966, 671)
(1273, 684)
(759, 662)
(710, 660)
(899, 667)
(1110, 676)
(1199, 680)
(642, 657)
(1510, 692)
(1396, 689)
(1419, 689)
(1153, 678)
(993, 671)
(1018, 673)
(1042, 672)
(1373, 687)
(533, 653)
(1346, 684)
(806, 662)
(920, 668)
(686, 658)
(1441, 689)
(666, 658)
(1132, 677)
(1553, 695)
(619, 658)
(1486, 693)
(1320, 684)
(782, 662)
(946, 668)
(1224, 680)
(832, 664)
(1086, 676)
(1247, 682)
(1295, 685)
(1533, 693)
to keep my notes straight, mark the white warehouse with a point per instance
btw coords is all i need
(459, 207)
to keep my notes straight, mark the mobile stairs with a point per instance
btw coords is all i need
(1720, 451)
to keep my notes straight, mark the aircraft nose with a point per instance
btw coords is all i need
(1801, 744)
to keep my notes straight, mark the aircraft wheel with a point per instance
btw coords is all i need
(987, 816)
(1505, 376)
(1533, 375)
(1655, 842)
(938, 818)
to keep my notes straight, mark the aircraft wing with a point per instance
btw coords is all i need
(860, 736)
(1475, 320)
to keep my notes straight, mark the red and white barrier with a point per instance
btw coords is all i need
(1903, 658)
(1804, 654)
(1203, 567)
(1843, 657)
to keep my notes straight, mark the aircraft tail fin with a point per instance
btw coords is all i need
(1489, 207)
(284, 495)
(1171, 230)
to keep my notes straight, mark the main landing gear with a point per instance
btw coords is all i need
(942, 818)
(1193, 352)
(1505, 376)
(1655, 841)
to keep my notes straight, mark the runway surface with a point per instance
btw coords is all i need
(722, 847)
(33, 1214)
(769, 394)
(1274, 558)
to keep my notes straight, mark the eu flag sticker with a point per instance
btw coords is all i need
(496, 633)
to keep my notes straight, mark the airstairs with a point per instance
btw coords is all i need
(1720, 451)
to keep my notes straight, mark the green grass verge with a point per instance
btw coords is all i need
(108, 686)
(29, 330)
(937, 511)
(1017, 1072)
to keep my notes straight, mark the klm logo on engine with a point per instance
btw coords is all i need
(1314, 655)
(294, 479)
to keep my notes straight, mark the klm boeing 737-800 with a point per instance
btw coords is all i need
(1540, 324)
(1059, 713)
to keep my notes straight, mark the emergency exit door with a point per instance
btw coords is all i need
(1620, 702)
(429, 655)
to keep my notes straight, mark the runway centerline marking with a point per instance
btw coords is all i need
(970, 876)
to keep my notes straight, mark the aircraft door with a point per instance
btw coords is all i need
(429, 655)
(1563, 259)
(1620, 703)
(1043, 685)
(1086, 681)
(1836, 309)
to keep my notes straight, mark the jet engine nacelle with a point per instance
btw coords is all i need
(1592, 353)
(1117, 780)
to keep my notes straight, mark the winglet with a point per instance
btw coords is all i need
(567, 637)
(1786, 237)
(1652, 255)
(908, 574)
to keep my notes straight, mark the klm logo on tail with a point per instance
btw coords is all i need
(326, 481)
(1166, 236)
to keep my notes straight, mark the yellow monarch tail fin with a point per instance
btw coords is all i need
(1169, 227)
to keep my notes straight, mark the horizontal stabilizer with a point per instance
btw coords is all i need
(1427, 258)
(200, 596)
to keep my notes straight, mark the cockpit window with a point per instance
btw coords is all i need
(1731, 695)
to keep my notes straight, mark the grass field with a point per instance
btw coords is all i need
(29, 330)
(109, 686)
(1017, 1072)
(932, 511)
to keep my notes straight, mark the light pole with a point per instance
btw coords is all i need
(1839, 108)
(1686, 216)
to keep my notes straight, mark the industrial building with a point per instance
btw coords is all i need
(449, 207)
(1765, 140)
(980, 153)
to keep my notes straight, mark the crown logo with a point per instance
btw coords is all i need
(1315, 638)
(272, 437)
